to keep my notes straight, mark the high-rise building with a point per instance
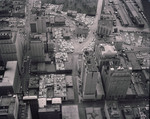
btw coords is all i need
(33, 102)
(11, 46)
(89, 75)
(146, 4)
(9, 81)
(37, 50)
(9, 107)
(49, 108)
(116, 81)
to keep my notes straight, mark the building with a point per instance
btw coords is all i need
(32, 100)
(81, 31)
(38, 24)
(66, 33)
(146, 4)
(105, 25)
(93, 112)
(118, 42)
(49, 108)
(72, 13)
(128, 113)
(89, 75)
(116, 80)
(37, 50)
(59, 20)
(9, 81)
(18, 8)
(106, 53)
(133, 60)
(24, 111)
(70, 111)
(111, 110)
(9, 107)
(46, 94)
(11, 46)
(4, 11)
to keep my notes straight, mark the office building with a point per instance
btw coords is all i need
(106, 53)
(24, 111)
(9, 107)
(37, 50)
(116, 80)
(112, 110)
(93, 112)
(81, 31)
(118, 43)
(9, 81)
(59, 20)
(49, 108)
(38, 24)
(32, 100)
(89, 75)
(146, 4)
(105, 25)
(11, 46)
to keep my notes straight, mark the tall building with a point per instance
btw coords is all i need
(33, 102)
(24, 111)
(116, 81)
(49, 108)
(37, 50)
(11, 46)
(146, 4)
(9, 81)
(9, 107)
(89, 75)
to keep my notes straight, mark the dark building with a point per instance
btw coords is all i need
(50, 111)
(9, 107)
(33, 102)
(146, 7)
(116, 81)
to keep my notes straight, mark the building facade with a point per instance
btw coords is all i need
(116, 82)
(89, 75)
(10, 79)
(11, 46)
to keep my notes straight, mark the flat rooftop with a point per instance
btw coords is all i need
(70, 112)
(9, 74)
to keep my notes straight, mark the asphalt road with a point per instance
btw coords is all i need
(93, 29)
